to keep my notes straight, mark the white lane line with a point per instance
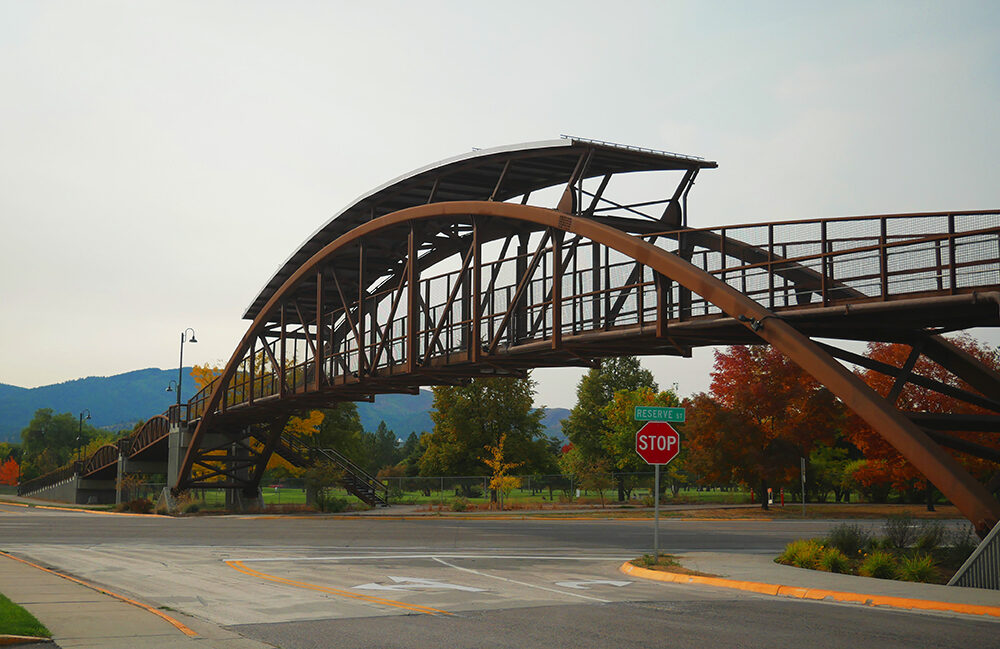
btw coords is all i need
(358, 557)
(520, 583)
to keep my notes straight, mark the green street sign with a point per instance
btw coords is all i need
(658, 413)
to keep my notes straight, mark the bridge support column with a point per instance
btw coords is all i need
(177, 446)
(247, 498)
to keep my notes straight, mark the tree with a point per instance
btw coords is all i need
(381, 448)
(500, 481)
(885, 464)
(592, 474)
(341, 430)
(49, 441)
(620, 427)
(762, 414)
(585, 426)
(469, 417)
(9, 472)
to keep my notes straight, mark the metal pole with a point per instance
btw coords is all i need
(656, 515)
(803, 466)
(180, 375)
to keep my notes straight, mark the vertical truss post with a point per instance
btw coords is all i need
(595, 280)
(318, 351)
(253, 367)
(475, 338)
(362, 347)
(557, 275)
(685, 252)
(770, 264)
(883, 260)
(661, 305)
(952, 271)
(519, 323)
(824, 265)
(283, 368)
(412, 306)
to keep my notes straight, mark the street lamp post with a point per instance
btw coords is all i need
(180, 368)
(79, 435)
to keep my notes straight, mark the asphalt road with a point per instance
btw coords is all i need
(323, 582)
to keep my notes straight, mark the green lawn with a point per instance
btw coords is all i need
(14, 620)
(213, 499)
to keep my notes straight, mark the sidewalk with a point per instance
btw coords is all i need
(759, 573)
(83, 618)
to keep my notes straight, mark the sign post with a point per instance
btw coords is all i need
(657, 442)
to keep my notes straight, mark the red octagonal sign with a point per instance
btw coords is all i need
(657, 442)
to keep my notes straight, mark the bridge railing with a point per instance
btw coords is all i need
(779, 265)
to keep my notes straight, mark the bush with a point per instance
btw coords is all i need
(140, 506)
(931, 536)
(460, 504)
(803, 553)
(878, 564)
(330, 504)
(849, 539)
(919, 567)
(900, 531)
(833, 560)
(191, 508)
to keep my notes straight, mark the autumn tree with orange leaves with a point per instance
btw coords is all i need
(762, 413)
(884, 464)
(9, 472)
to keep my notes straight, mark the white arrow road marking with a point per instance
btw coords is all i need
(520, 583)
(582, 585)
(415, 583)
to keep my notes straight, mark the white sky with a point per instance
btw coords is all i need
(159, 161)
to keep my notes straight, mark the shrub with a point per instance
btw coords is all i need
(833, 560)
(900, 531)
(330, 504)
(140, 506)
(919, 567)
(191, 508)
(651, 561)
(460, 504)
(803, 553)
(162, 511)
(931, 536)
(878, 564)
(849, 539)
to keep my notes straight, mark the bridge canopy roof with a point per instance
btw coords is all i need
(499, 173)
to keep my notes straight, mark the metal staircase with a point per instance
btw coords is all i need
(355, 479)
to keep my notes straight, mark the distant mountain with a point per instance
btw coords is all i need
(553, 423)
(114, 402)
(402, 413)
(117, 402)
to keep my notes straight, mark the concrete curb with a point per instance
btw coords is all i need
(811, 593)
(6, 640)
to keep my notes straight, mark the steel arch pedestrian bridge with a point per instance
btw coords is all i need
(563, 252)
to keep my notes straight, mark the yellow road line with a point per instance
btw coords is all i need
(183, 629)
(811, 593)
(77, 509)
(238, 565)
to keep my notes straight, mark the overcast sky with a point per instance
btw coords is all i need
(159, 161)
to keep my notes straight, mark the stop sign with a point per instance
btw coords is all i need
(657, 442)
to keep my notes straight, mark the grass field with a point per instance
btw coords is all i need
(14, 620)
(285, 496)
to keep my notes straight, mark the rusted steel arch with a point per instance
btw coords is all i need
(154, 431)
(100, 461)
(972, 499)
